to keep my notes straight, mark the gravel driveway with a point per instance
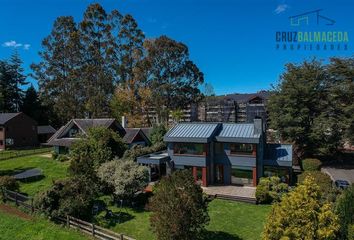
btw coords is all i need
(339, 173)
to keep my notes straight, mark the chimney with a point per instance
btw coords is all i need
(258, 126)
(124, 122)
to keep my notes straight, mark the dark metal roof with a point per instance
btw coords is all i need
(47, 129)
(192, 132)
(153, 158)
(5, 117)
(238, 132)
(278, 155)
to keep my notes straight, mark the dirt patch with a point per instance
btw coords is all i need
(47, 155)
(14, 211)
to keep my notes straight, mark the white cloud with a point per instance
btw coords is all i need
(14, 44)
(26, 46)
(281, 8)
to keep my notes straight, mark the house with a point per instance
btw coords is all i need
(45, 132)
(136, 136)
(75, 128)
(223, 153)
(17, 130)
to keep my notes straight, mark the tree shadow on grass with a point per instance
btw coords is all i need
(116, 218)
(217, 235)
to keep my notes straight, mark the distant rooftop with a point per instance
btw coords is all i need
(5, 117)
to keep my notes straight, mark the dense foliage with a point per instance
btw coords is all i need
(311, 105)
(73, 196)
(179, 209)
(123, 177)
(323, 181)
(157, 133)
(138, 150)
(301, 215)
(99, 146)
(270, 189)
(345, 211)
(9, 183)
(311, 164)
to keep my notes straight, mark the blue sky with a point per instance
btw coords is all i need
(232, 42)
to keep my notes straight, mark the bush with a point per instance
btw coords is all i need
(137, 150)
(9, 183)
(301, 215)
(55, 155)
(63, 158)
(351, 232)
(179, 209)
(345, 211)
(322, 180)
(311, 164)
(270, 189)
(72, 196)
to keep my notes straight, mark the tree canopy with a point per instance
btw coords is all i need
(311, 108)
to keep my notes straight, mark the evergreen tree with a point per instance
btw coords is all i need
(31, 104)
(59, 71)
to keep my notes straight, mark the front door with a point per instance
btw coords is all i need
(219, 174)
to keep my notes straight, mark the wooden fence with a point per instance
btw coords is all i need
(19, 199)
(8, 154)
(92, 229)
(85, 227)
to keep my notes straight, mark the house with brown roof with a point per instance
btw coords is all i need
(75, 128)
(17, 130)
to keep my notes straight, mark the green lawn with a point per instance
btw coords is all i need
(13, 227)
(229, 220)
(52, 170)
(5, 154)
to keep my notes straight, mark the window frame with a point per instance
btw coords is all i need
(204, 153)
(240, 152)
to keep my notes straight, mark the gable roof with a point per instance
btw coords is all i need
(5, 117)
(83, 125)
(131, 133)
(192, 132)
(45, 129)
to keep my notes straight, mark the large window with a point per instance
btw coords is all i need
(189, 148)
(241, 148)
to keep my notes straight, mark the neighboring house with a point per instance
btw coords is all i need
(17, 130)
(136, 136)
(71, 132)
(223, 153)
(45, 132)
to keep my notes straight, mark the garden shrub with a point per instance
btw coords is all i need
(270, 189)
(157, 133)
(351, 232)
(322, 180)
(9, 183)
(345, 212)
(55, 155)
(137, 150)
(63, 158)
(311, 164)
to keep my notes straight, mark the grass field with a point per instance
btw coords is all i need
(228, 221)
(52, 170)
(13, 227)
(5, 154)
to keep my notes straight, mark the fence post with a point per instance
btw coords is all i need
(32, 207)
(16, 199)
(68, 221)
(121, 237)
(93, 229)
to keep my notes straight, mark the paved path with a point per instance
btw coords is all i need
(231, 191)
(339, 173)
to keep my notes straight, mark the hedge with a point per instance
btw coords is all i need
(311, 164)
